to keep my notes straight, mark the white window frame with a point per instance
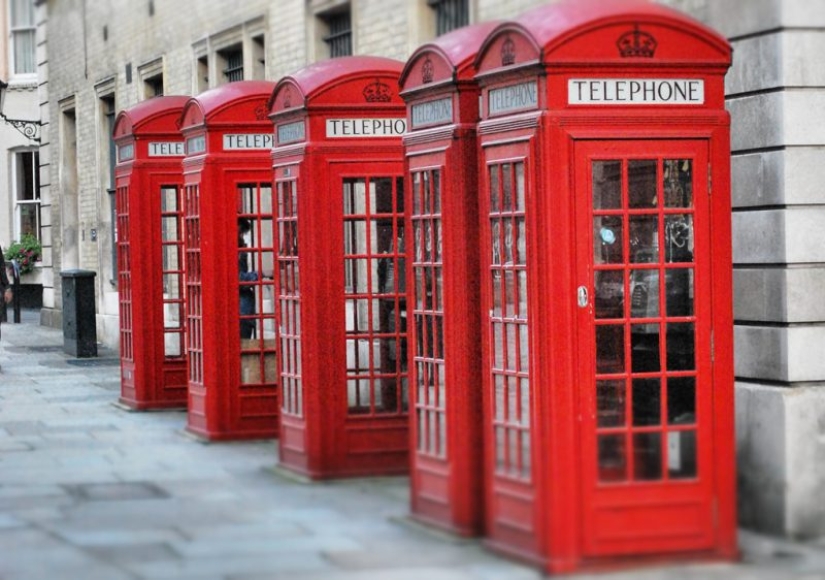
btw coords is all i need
(15, 29)
(17, 182)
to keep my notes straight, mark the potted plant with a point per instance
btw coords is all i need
(26, 252)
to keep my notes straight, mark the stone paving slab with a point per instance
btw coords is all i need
(90, 490)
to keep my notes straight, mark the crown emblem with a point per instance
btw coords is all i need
(427, 71)
(261, 112)
(377, 92)
(508, 52)
(636, 43)
(287, 98)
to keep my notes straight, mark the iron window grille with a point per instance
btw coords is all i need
(339, 39)
(234, 64)
(450, 14)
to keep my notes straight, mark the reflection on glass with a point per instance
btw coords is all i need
(681, 400)
(678, 182)
(607, 240)
(524, 388)
(610, 403)
(612, 458)
(355, 196)
(644, 239)
(610, 349)
(609, 298)
(494, 189)
(520, 204)
(499, 395)
(646, 402)
(607, 184)
(679, 291)
(647, 456)
(644, 352)
(678, 238)
(506, 187)
(681, 454)
(680, 346)
(500, 449)
(644, 293)
(641, 178)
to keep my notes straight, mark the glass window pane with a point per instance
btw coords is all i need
(644, 239)
(647, 456)
(678, 182)
(678, 238)
(610, 349)
(612, 458)
(610, 403)
(494, 189)
(644, 350)
(609, 299)
(641, 183)
(607, 184)
(506, 188)
(681, 454)
(607, 240)
(679, 291)
(520, 204)
(647, 402)
(680, 347)
(644, 293)
(681, 400)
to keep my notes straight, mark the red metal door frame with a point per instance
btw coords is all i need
(368, 409)
(653, 502)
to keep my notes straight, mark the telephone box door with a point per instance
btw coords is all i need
(374, 315)
(645, 345)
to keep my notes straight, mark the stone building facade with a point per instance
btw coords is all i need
(96, 58)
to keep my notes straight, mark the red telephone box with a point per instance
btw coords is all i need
(442, 197)
(338, 173)
(149, 181)
(608, 382)
(230, 258)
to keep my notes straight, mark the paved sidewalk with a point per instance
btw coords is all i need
(89, 491)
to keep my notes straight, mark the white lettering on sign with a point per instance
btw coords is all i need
(126, 152)
(291, 132)
(195, 145)
(165, 148)
(635, 91)
(432, 112)
(513, 98)
(235, 141)
(365, 128)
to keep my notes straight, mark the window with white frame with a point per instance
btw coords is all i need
(26, 185)
(22, 37)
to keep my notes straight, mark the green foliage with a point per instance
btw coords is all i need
(27, 251)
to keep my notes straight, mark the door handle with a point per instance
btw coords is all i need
(582, 296)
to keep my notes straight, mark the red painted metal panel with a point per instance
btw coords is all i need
(230, 262)
(442, 104)
(341, 258)
(148, 185)
(622, 398)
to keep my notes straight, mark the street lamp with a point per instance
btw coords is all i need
(29, 129)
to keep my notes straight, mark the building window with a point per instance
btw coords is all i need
(450, 14)
(22, 27)
(154, 86)
(231, 60)
(258, 58)
(107, 112)
(339, 36)
(26, 183)
(151, 77)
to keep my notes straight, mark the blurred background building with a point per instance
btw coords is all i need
(73, 64)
